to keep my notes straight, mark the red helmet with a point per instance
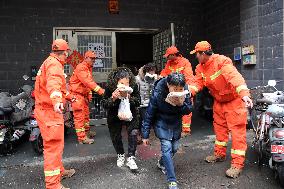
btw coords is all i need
(201, 46)
(60, 45)
(90, 54)
(171, 50)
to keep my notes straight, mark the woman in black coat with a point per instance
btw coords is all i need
(111, 101)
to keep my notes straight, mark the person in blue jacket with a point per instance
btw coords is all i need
(166, 118)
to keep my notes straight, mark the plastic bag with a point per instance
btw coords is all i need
(124, 112)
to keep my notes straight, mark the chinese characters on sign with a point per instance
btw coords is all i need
(98, 63)
(249, 58)
(98, 48)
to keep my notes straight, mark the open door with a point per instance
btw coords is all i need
(103, 42)
(161, 41)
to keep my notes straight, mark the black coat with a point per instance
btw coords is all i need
(112, 107)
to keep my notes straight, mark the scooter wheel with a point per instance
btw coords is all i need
(280, 172)
(260, 153)
(6, 147)
(37, 145)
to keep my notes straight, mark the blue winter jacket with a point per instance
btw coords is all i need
(165, 118)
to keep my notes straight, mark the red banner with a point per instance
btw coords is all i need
(75, 58)
(113, 6)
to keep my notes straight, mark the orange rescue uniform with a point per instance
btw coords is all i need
(50, 88)
(227, 86)
(183, 66)
(81, 87)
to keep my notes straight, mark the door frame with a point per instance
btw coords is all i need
(90, 29)
(73, 30)
(102, 29)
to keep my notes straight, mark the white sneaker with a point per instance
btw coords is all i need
(161, 167)
(131, 163)
(120, 160)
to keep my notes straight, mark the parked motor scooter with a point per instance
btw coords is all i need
(35, 136)
(269, 130)
(15, 112)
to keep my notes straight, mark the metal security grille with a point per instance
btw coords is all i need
(97, 112)
(80, 41)
(161, 42)
(85, 39)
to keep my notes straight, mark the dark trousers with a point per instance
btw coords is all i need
(115, 129)
(142, 112)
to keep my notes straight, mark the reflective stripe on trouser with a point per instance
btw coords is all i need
(80, 111)
(87, 119)
(230, 117)
(186, 123)
(51, 126)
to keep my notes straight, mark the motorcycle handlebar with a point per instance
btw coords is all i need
(18, 97)
(265, 86)
(263, 101)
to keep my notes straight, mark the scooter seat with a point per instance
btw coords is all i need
(4, 111)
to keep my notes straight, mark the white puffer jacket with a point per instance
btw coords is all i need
(145, 87)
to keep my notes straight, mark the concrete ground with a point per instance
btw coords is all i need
(96, 165)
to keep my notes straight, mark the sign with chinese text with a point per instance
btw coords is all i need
(98, 63)
(249, 49)
(98, 48)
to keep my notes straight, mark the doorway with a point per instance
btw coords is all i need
(130, 47)
(133, 50)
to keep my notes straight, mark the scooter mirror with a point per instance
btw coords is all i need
(25, 77)
(272, 83)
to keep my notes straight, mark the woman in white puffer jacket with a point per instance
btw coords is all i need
(145, 79)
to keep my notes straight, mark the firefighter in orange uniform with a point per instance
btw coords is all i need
(231, 97)
(81, 87)
(50, 93)
(177, 63)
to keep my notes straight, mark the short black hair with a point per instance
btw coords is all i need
(178, 54)
(149, 67)
(176, 79)
(208, 52)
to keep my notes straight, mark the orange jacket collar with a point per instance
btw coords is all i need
(87, 64)
(211, 59)
(176, 61)
(57, 58)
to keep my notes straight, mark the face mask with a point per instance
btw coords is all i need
(151, 75)
(150, 78)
